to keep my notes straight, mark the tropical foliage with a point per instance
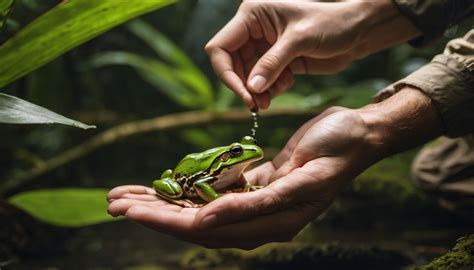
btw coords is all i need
(62, 28)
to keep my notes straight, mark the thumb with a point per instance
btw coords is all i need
(269, 67)
(238, 206)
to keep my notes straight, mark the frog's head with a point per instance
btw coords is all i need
(233, 160)
(242, 153)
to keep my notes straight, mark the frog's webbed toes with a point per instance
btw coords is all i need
(249, 187)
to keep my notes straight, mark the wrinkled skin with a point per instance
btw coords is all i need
(301, 182)
(268, 42)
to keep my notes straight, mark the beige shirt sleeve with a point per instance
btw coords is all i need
(449, 81)
(433, 17)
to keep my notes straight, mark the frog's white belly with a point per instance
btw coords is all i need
(229, 176)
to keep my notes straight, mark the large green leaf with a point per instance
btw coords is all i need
(18, 111)
(164, 47)
(69, 207)
(63, 28)
(171, 81)
(189, 73)
(5, 6)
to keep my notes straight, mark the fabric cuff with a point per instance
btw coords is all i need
(426, 17)
(433, 17)
(450, 86)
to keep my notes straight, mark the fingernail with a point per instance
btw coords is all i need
(208, 222)
(257, 83)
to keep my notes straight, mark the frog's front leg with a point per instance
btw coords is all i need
(170, 190)
(204, 189)
(249, 187)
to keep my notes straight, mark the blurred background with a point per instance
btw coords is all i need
(54, 178)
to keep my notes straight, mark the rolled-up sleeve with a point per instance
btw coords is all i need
(449, 81)
(433, 17)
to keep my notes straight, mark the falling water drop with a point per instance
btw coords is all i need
(255, 122)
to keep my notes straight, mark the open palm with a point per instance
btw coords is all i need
(300, 183)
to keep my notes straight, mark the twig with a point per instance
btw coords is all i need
(161, 123)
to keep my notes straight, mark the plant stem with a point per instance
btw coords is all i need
(123, 131)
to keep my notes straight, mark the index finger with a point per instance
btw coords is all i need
(119, 191)
(220, 48)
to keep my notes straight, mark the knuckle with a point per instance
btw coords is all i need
(270, 61)
(128, 196)
(334, 109)
(301, 30)
(210, 47)
(225, 73)
(246, 6)
(133, 211)
(120, 203)
(252, 19)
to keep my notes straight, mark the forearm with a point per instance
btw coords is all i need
(383, 26)
(405, 120)
(449, 82)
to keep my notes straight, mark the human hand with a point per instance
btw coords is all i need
(301, 182)
(267, 42)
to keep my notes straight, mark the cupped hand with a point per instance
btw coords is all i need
(267, 42)
(300, 183)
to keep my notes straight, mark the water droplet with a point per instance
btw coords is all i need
(255, 122)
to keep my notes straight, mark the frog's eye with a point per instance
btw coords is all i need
(236, 150)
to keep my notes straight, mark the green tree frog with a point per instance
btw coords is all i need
(202, 175)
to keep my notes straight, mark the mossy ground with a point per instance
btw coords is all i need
(461, 257)
(298, 256)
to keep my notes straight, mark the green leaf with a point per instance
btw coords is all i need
(64, 27)
(160, 43)
(170, 81)
(172, 54)
(5, 6)
(68, 207)
(18, 111)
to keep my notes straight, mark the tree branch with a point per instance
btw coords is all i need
(160, 123)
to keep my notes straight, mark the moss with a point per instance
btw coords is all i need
(461, 257)
(201, 258)
(147, 267)
(298, 256)
(327, 256)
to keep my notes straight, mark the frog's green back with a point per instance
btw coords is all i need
(195, 162)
